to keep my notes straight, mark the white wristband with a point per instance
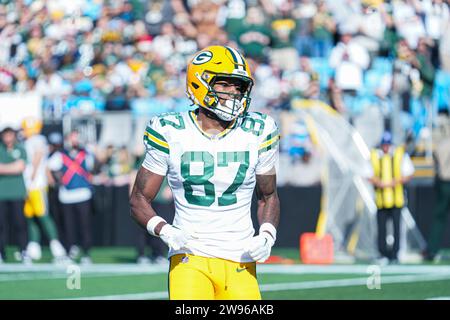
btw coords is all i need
(268, 227)
(152, 223)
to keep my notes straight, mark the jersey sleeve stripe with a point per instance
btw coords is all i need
(157, 137)
(269, 137)
(269, 144)
(156, 143)
(156, 134)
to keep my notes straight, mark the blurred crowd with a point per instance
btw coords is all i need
(91, 56)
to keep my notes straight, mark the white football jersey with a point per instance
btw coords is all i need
(34, 144)
(212, 177)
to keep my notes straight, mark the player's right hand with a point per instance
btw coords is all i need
(260, 247)
(174, 238)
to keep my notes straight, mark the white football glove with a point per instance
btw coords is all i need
(174, 238)
(261, 245)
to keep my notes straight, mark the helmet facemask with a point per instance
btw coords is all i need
(213, 64)
(236, 104)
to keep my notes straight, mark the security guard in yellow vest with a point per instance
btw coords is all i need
(392, 168)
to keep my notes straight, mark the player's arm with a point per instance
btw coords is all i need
(37, 158)
(16, 167)
(145, 189)
(268, 201)
(13, 168)
(268, 217)
(268, 210)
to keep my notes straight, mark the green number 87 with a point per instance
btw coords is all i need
(224, 158)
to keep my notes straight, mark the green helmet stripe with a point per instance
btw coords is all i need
(238, 60)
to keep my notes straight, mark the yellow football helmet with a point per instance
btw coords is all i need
(214, 63)
(31, 126)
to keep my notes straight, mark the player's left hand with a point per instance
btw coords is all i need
(261, 245)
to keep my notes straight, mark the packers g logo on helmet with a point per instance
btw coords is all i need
(211, 64)
(202, 57)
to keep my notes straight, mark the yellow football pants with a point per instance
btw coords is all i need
(199, 278)
(36, 203)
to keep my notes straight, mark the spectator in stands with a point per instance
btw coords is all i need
(82, 101)
(370, 27)
(205, 16)
(165, 41)
(442, 187)
(73, 165)
(390, 34)
(423, 62)
(392, 169)
(304, 82)
(418, 89)
(334, 96)
(284, 55)
(117, 100)
(303, 14)
(120, 167)
(437, 16)
(349, 60)
(444, 48)
(13, 160)
(300, 145)
(408, 22)
(254, 35)
(403, 75)
(270, 91)
(323, 30)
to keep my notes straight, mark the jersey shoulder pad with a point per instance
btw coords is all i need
(270, 137)
(256, 115)
(155, 136)
(254, 124)
(170, 121)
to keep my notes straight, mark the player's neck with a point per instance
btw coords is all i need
(209, 122)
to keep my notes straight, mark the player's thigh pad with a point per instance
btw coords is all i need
(240, 282)
(35, 204)
(194, 277)
(189, 278)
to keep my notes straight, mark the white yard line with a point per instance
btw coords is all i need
(267, 268)
(93, 268)
(130, 296)
(289, 286)
(352, 269)
(12, 277)
(351, 282)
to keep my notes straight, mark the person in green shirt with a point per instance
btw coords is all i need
(284, 32)
(254, 35)
(12, 191)
(323, 30)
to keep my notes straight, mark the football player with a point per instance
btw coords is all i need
(36, 206)
(213, 158)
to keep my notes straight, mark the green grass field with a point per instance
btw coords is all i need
(114, 275)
